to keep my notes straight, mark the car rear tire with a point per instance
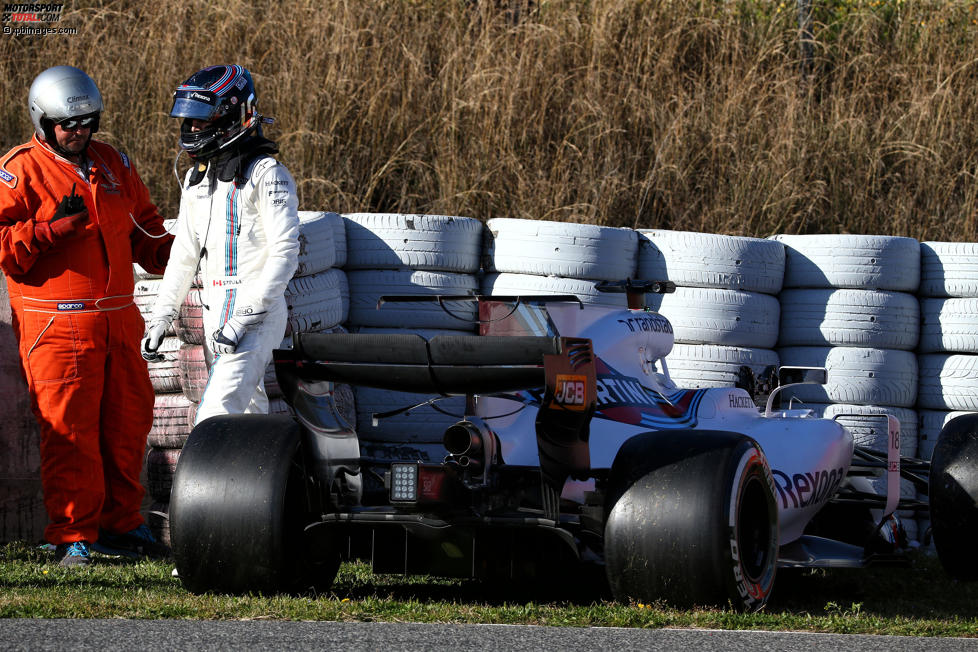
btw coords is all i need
(953, 485)
(696, 526)
(238, 510)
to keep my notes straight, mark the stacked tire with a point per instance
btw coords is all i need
(391, 255)
(171, 408)
(724, 312)
(848, 305)
(948, 350)
(539, 257)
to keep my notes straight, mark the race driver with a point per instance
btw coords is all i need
(74, 215)
(238, 224)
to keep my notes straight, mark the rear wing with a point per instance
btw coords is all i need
(564, 367)
(445, 364)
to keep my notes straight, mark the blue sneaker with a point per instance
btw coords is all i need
(73, 554)
(136, 543)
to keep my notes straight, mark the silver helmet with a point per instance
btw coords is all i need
(60, 93)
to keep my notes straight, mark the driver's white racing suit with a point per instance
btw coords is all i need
(245, 236)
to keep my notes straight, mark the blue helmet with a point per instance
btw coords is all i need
(225, 97)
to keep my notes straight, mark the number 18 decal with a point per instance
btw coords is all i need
(571, 391)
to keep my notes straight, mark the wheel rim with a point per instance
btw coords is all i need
(754, 532)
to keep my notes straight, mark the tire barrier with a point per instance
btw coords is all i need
(172, 421)
(857, 376)
(318, 301)
(948, 351)
(189, 324)
(165, 374)
(369, 285)
(708, 260)
(161, 464)
(847, 317)
(868, 262)
(949, 269)
(543, 248)
(441, 243)
(716, 316)
(507, 284)
(723, 312)
(317, 248)
(948, 325)
(694, 366)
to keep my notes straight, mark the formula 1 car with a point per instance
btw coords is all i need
(575, 448)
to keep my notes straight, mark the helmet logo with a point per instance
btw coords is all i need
(234, 100)
(77, 98)
(202, 98)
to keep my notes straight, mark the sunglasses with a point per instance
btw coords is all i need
(81, 122)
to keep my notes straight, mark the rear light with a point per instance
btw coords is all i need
(419, 483)
(404, 483)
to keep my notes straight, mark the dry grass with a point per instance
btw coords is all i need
(678, 114)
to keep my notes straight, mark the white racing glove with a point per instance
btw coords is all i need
(150, 345)
(227, 338)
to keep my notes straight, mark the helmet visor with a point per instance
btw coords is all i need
(196, 105)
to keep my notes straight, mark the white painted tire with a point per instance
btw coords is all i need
(189, 324)
(856, 375)
(161, 464)
(316, 302)
(420, 242)
(948, 382)
(193, 371)
(867, 262)
(866, 318)
(949, 325)
(527, 284)
(165, 374)
(692, 366)
(172, 421)
(711, 260)
(712, 316)
(338, 227)
(368, 286)
(543, 248)
(868, 429)
(317, 251)
(931, 422)
(949, 269)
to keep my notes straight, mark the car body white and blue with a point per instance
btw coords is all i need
(575, 448)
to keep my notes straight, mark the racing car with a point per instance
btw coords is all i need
(575, 449)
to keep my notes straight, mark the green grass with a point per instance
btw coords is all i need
(915, 601)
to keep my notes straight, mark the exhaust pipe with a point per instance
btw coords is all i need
(464, 438)
(471, 446)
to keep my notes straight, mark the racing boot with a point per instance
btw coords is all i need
(135, 544)
(74, 554)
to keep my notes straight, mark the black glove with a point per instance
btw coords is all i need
(70, 205)
(69, 221)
